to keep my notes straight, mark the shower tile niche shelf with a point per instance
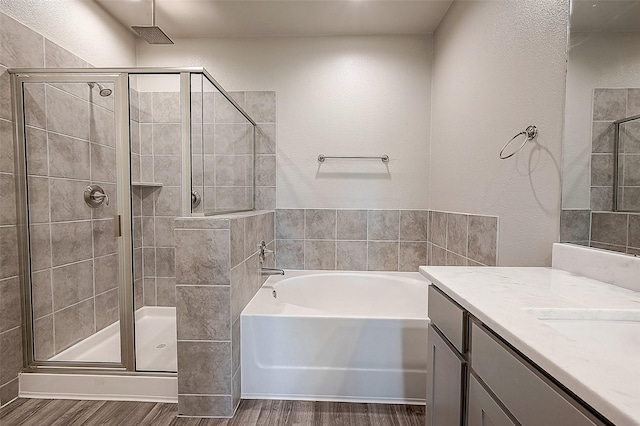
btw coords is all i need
(147, 184)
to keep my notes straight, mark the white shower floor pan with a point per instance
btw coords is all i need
(156, 345)
(156, 351)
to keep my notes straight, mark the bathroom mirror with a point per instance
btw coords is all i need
(601, 152)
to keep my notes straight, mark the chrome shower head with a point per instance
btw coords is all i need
(104, 92)
(152, 34)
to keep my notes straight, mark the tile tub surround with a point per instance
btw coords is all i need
(356, 240)
(458, 239)
(382, 240)
(499, 298)
(217, 273)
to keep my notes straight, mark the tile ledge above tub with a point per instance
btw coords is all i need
(215, 222)
(619, 269)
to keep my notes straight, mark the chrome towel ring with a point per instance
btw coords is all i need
(529, 133)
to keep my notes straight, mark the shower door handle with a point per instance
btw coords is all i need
(117, 226)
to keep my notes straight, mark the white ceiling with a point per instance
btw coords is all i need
(241, 18)
(605, 16)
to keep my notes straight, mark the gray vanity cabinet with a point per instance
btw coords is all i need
(445, 387)
(446, 366)
(474, 378)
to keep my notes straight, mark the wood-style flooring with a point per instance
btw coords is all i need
(47, 412)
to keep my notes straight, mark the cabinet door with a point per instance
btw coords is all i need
(445, 375)
(482, 409)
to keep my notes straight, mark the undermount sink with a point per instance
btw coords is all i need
(614, 330)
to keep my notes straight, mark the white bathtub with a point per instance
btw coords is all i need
(337, 336)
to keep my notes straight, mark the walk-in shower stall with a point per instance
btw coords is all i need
(106, 159)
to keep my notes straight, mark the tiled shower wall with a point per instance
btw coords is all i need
(382, 240)
(610, 105)
(606, 230)
(22, 47)
(160, 162)
(599, 227)
(228, 144)
(218, 272)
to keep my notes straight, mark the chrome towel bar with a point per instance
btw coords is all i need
(384, 158)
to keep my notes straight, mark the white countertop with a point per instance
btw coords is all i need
(599, 374)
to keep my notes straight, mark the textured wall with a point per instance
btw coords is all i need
(336, 95)
(499, 66)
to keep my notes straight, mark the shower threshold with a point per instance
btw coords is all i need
(156, 351)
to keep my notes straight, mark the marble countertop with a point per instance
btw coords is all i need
(603, 375)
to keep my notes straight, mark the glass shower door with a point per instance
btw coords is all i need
(75, 217)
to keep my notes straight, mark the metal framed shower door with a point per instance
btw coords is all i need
(120, 80)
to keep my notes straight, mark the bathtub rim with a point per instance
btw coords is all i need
(272, 280)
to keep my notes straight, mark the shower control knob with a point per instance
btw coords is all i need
(94, 196)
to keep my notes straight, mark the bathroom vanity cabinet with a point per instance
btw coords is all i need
(476, 379)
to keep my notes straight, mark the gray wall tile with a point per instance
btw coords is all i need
(68, 157)
(601, 170)
(41, 293)
(351, 255)
(634, 230)
(609, 104)
(70, 242)
(21, 46)
(7, 200)
(602, 137)
(454, 259)
(457, 233)
(8, 253)
(204, 312)
(483, 244)
(40, 239)
(265, 170)
(320, 224)
(107, 309)
(166, 291)
(383, 225)
(413, 225)
(202, 257)
(438, 231)
(574, 225)
(412, 256)
(352, 224)
(10, 354)
(437, 256)
(320, 254)
(196, 357)
(10, 313)
(290, 254)
(205, 405)
(382, 256)
(73, 324)
(72, 283)
(609, 228)
(261, 106)
(601, 198)
(67, 114)
(289, 223)
(38, 161)
(67, 200)
(105, 273)
(166, 107)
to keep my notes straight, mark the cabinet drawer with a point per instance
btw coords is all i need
(529, 396)
(449, 317)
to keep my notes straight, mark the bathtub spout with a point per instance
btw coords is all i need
(271, 271)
